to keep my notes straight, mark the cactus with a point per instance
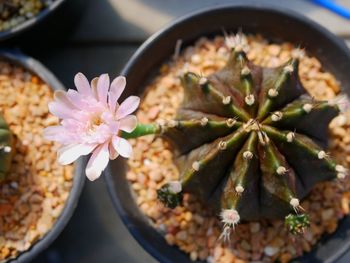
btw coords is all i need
(6, 149)
(249, 142)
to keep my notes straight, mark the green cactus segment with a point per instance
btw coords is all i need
(278, 182)
(214, 157)
(308, 160)
(6, 149)
(192, 134)
(267, 159)
(307, 116)
(200, 95)
(280, 86)
(296, 224)
(237, 79)
(240, 190)
(141, 130)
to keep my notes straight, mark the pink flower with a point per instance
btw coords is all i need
(91, 121)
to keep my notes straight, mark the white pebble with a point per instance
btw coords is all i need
(271, 251)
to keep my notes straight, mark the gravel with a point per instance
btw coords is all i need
(35, 191)
(192, 227)
(15, 12)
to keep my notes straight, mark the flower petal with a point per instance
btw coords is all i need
(117, 88)
(128, 124)
(122, 146)
(128, 106)
(61, 98)
(52, 133)
(113, 154)
(102, 88)
(70, 153)
(61, 111)
(97, 162)
(82, 84)
(94, 87)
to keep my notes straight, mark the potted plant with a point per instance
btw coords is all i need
(245, 172)
(37, 197)
(17, 17)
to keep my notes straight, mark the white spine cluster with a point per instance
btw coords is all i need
(288, 69)
(321, 155)
(307, 107)
(272, 93)
(230, 122)
(276, 116)
(196, 166)
(290, 136)
(245, 71)
(239, 189)
(281, 170)
(173, 123)
(230, 218)
(204, 121)
(226, 100)
(248, 155)
(249, 99)
(263, 138)
(295, 203)
(222, 145)
(175, 187)
(203, 81)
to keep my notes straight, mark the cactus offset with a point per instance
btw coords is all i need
(6, 149)
(249, 142)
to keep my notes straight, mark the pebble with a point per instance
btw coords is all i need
(271, 251)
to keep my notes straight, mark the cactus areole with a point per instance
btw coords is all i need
(249, 142)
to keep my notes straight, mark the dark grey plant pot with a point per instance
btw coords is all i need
(38, 69)
(28, 24)
(275, 24)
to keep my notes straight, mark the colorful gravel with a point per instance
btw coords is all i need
(192, 227)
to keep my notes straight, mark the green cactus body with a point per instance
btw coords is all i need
(250, 138)
(6, 149)
(249, 141)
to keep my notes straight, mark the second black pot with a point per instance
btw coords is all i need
(273, 23)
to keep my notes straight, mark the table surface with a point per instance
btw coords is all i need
(101, 38)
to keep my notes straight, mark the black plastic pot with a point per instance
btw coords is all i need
(275, 24)
(38, 69)
(26, 25)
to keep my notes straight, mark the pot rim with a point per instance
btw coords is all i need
(154, 38)
(47, 76)
(27, 24)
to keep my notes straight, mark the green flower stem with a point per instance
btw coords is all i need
(141, 130)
